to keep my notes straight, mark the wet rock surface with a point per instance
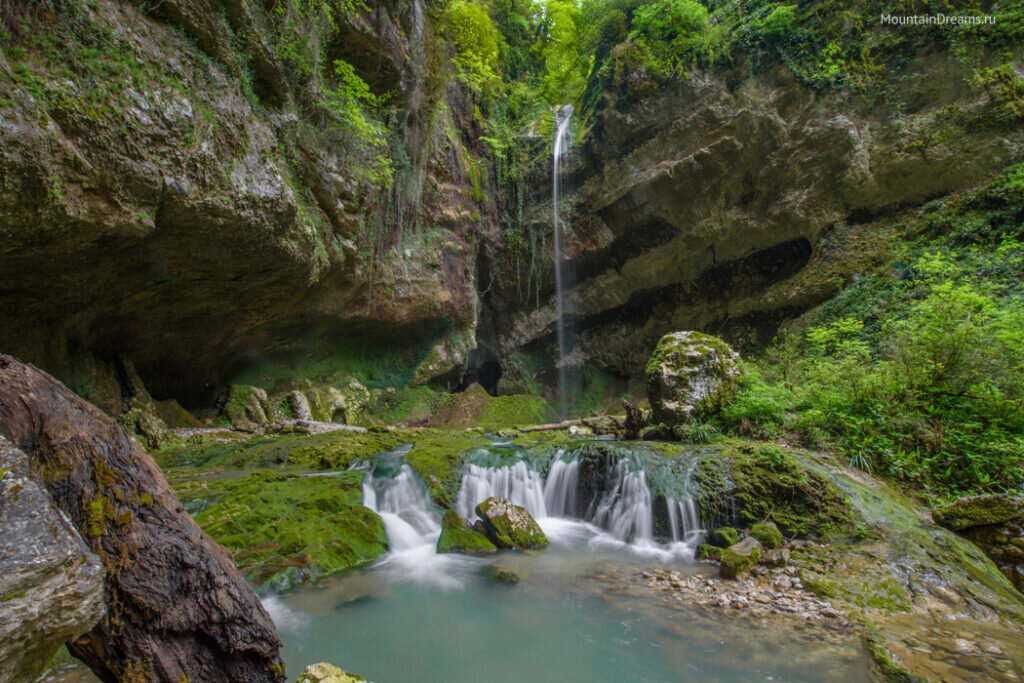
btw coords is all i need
(994, 523)
(176, 606)
(51, 584)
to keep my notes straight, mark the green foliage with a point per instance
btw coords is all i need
(916, 371)
(348, 100)
(476, 40)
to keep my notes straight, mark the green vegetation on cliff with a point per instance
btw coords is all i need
(917, 370)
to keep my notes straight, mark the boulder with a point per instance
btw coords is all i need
(177, 608)
(326, 673)
(458, 537)
(724, 537)
(737, 560)
(690, 374)
(510, 526)
(51, 585)
(246, 404)
(779, 557)
(767, 534)
(979, 511)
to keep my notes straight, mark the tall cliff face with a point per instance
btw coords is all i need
(171, 189)
(735, 200)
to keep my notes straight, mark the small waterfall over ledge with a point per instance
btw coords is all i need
(623, 512)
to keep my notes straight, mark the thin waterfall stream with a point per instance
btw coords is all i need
(563, 119)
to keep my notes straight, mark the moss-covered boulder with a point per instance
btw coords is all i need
(458, 537)
(326, 673)
(706, 551)
(724, 537)
(510, 526)
(978, 511)
(738, 560)
(474, 407)
(767, 535)
(690, 374)
(246, 404)
(286, 529)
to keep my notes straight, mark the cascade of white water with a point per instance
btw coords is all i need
(560, 487)
(562, 118)
(626, 510)
(403, 505)
(517, 482)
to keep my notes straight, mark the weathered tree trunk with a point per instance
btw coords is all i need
(177, 609)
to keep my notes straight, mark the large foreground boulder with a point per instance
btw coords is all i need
(51, 586)
(177, 609)
(510, 526)
(690, 375)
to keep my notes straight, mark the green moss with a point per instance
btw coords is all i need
(437, 458)
(767, 535)
(734, 565)
(887, 662)
(706, 551)
(457, 538)
(333, 450)
(776, 483)
(286, 529)
(724, 537)
(474, 407)
(978, 510)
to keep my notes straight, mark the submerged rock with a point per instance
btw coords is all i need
(690, 374)
(326, 673)
(500, 575)
(51, 585)
(458, 537)
(510, 526)
(177, 609)
(737, 560)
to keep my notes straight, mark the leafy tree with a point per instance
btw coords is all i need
(476, 39)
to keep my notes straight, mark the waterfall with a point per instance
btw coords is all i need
(560, 488)
(405, 508)
(562, 119)
(517, 482)
(625, 511)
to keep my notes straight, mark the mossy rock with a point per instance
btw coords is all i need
(965, 513)
(724, 537)
(773, 482)
(706, 551)
(690, 375)
(326, 673)
(437, 458)
(246, 403)
(331, 451)
(510, 526)
(474, 407)
(767, 535)
(499, 575)
(285, 529)
(458, 537)
(738, 560)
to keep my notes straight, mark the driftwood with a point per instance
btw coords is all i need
(177, 609)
